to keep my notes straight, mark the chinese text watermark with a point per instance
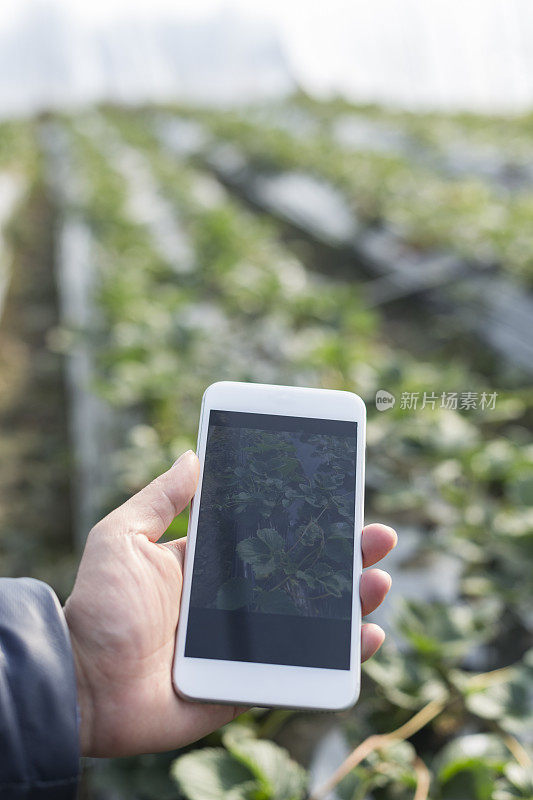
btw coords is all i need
(455, 401)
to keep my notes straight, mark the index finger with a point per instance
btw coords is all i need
(151, 510)
(376, 542)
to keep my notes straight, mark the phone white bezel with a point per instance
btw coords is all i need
(245, 683)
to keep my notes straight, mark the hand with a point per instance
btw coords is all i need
(122, 616)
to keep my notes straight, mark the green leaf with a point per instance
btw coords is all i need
(344, 529)
(339, 549)
(345, 506)
(258, 551)
(234, 594)
(249, 549)
(400, 753)
(291, 494)
(279, 777)
(469, 766)
(470, 754)
(310, 535)
(398, 757)
(213, 774)
(521, 490)
(273, 540)
(306, 577)
(474, 780)
(508, 701)
(337, 583)
(263, 567)
(405, 678)
(276, 602)
(237, 731)
(448, 632)
(516, 783)
(321, 570)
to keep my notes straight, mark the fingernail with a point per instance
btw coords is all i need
(186, 453)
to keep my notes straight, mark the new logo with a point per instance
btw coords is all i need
(384, 400)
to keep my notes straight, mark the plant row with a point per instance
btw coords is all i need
(484, 224)
(249, 309)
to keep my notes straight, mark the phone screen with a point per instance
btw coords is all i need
(272, 574)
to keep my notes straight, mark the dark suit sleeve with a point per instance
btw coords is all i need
(39, 744)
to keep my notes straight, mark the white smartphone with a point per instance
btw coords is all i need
(270, 610)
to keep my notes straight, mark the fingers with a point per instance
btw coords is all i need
(373, 588)
(377, 541)
(196, 720)
(372, 637)
(151, 510)
(177, 546)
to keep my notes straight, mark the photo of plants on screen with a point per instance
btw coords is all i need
(276, 523)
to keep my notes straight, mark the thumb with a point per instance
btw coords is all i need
(151, 510)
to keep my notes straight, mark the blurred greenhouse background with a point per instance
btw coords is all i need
(153, 242)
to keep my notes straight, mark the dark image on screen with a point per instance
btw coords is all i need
(272, 576)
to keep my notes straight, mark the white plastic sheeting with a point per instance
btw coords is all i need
(92, 423)
(11, 190)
